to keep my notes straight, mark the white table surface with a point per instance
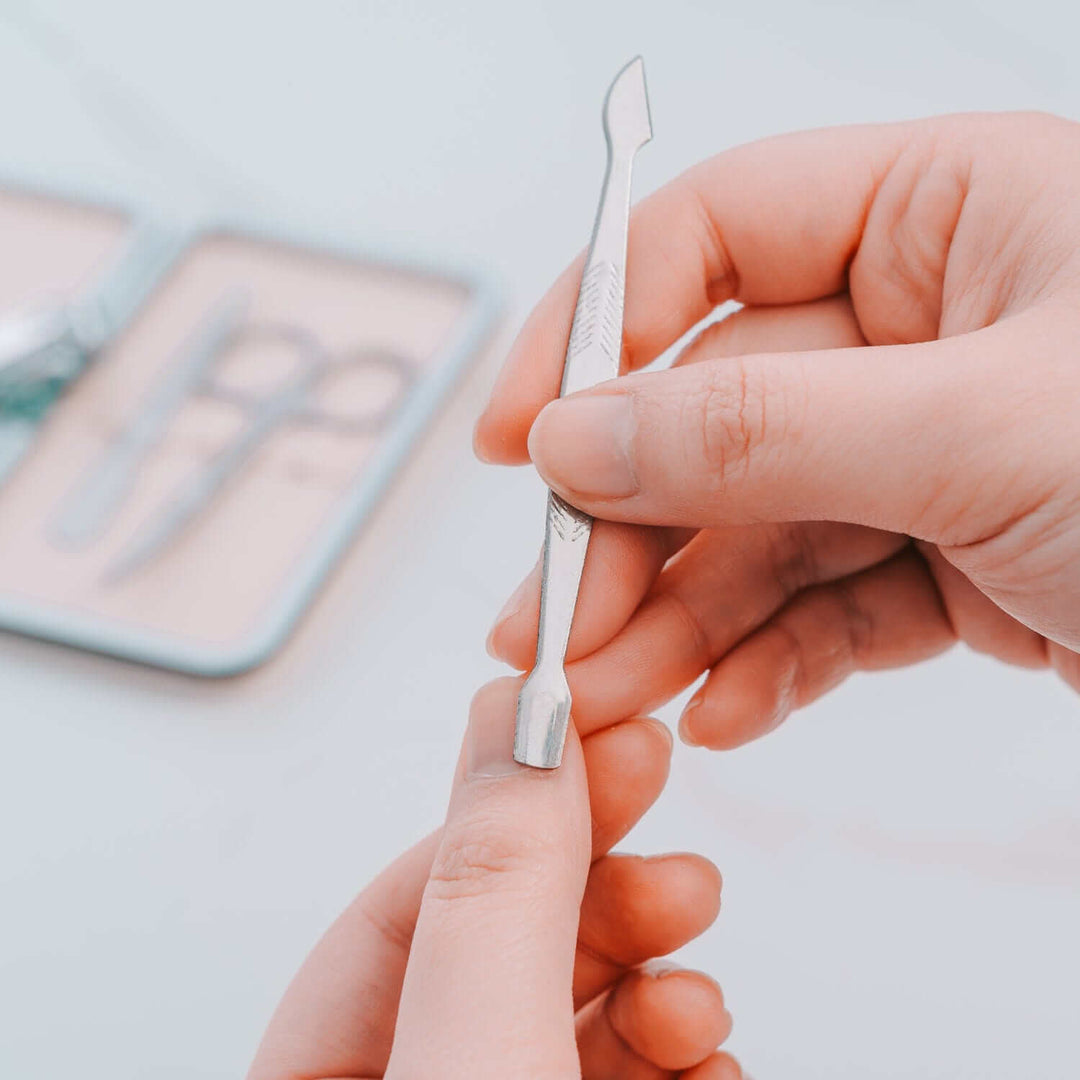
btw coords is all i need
(902, 861)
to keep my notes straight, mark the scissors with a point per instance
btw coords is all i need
(294, 400)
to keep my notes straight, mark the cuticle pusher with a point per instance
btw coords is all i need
(592, 356)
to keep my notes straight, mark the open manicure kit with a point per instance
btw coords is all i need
(194, 423)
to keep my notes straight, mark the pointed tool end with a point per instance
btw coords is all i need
(626, 108)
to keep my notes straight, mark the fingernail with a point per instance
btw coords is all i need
(658, 969)
(477, 445)
(686, 721)
(665, 731)
(491, 646)
(489, 740)
(583, 445)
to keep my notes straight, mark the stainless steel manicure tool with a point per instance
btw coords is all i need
(41, 352)
(592, 356)
(294, 400)
(91, 506)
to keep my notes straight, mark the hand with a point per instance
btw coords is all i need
(877, 455)
(466, 957)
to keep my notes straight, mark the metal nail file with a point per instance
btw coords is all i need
(592, 356)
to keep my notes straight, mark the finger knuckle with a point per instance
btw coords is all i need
(728, 422)
(793, 556)
(857, 622)
(482, 856)
(684, 613)
(909, 236)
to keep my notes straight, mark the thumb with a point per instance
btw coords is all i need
(487, 991)
(900, 437)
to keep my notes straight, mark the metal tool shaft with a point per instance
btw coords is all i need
(592, 356)
(91, 506)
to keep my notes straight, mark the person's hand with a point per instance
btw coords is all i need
(466, 957)
(878, 454)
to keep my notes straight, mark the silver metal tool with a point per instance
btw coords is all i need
(293, 401)
(41, 352)
(92, 504)
(592, 356)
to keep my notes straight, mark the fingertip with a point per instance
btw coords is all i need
(489, 741)
(718, 1066)
(659, 728)
(479, 442)
(496, 440)
(739, 703)
(489, 738)
(530, 375)
(537, 430)
(672, 1018)
(688, 723)
(638, 908)
(696, 883)
(627, 766)
(491, 645)
(495, 698)
(498, 648)
(583, 445)
(551, 434)
(506, 641)
(710, 885)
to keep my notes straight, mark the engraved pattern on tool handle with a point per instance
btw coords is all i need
(599, 313)
(568, 522)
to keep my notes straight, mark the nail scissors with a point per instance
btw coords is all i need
(196, 373)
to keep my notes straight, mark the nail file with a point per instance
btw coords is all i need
(592, 356)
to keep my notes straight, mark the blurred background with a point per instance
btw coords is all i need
(901, 861)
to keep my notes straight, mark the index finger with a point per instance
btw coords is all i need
(772, 222)
(337, 1018)
(487, 988)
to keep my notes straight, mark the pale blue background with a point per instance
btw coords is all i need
(902, 861)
